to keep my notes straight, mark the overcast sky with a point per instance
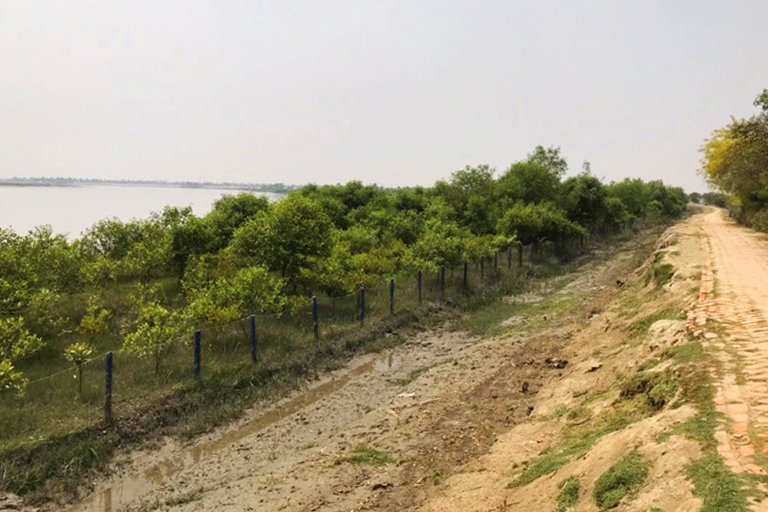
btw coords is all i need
(391, 92)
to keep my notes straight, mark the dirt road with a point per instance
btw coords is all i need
(735, 295)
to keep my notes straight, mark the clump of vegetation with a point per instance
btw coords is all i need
(621, 479)
(657, 388)
(659, 272)
(569, 494)
(364, 454)
(16, 342)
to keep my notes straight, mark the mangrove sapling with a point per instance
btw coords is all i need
(79, 353)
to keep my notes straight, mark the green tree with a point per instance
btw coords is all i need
(230, 212)
(155, 331)
(287, 238)
(550, 159)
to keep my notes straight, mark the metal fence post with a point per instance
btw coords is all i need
(108, 390)
(254, 353)
(362, 305)
(420, 281)
(442, 280)
(315, 318)
(198, 349)
(391, 296)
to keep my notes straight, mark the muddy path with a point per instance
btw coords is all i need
(734, 295)
(388, 430)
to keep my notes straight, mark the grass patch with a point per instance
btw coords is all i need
(621, 479)
(659, 272)
(718, 487)
(370, 456)
(691, 352)
(569, 494)
(658, 389)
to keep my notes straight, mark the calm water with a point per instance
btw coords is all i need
(70, 210)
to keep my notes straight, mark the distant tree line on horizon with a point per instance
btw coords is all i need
(250, 255)
(276, 188)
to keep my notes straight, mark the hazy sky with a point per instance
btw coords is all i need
(392, 92)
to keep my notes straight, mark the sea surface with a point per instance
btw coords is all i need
(70, 210)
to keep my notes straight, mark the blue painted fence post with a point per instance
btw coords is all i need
(420, 281)
(442, 280)
(108, 390)
(315, 318)
(362, 305)
(254, 353)
(391, 296)
(198, 350)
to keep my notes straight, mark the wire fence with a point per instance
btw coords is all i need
(118, 385)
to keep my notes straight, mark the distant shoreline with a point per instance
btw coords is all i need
(276, 188)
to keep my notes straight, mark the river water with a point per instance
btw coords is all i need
(71, 210)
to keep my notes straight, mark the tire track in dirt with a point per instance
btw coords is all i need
(734, 292)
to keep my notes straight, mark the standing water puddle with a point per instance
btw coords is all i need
(120, 491)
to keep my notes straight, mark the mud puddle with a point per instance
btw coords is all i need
(122, 490)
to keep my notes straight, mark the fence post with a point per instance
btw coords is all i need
(254, 354)
(482, 268)
(315, 319)
(520, 255)
(496, 261)
(392, 296)
(420, 281)
(198, 349)
(362, 305)
(442, 280)
(108, 390)
(509, 257)
(466, 277)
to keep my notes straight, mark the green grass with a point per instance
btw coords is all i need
(718, 487)
(569, 494)
(369, 456)
(621, 479)
(659, 272)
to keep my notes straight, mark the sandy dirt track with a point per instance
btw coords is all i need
(735, 294)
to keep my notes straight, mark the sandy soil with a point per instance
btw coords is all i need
(458, 415)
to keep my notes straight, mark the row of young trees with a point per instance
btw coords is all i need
(735, 160)
(252, 256)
